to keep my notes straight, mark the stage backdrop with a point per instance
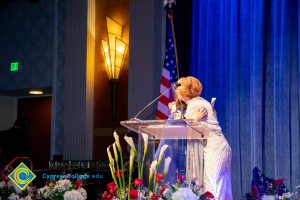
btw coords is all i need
(246, 53)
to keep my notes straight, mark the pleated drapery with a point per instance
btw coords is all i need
(246, 54)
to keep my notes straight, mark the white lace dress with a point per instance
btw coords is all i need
(216, 152)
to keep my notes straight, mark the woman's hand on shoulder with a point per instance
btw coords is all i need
(200, 114)
(172, 107)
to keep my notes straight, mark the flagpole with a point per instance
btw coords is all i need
(174, 40)
(169, 73)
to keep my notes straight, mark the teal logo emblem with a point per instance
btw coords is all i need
(22, 176)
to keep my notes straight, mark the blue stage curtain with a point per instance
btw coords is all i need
(246, 53)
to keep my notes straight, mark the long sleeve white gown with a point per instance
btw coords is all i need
(216, 153)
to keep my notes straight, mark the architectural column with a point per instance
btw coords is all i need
(79, 80)
(147, 47)
(147, 43)
(58, 81)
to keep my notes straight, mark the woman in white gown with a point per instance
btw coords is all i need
(216, 151)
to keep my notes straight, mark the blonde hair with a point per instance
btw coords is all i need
(190, 87)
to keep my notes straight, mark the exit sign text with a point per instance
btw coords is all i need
(14, 66)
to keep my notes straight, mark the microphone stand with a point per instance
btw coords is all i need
(181, 105)
(149, 104)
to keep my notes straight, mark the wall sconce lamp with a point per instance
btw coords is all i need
(114, 53)
(114, 49)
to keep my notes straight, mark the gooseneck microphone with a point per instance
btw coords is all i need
(181, 104)
(175, 85)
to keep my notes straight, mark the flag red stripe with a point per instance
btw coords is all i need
(164, 100)
(165, 82)
(161, 115)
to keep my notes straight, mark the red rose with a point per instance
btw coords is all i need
(138, 182)
(133, 194)
(277, 183)
(163, 188)
(180, 178)
(119, 173)
(159, 177)
(208, 195)
(107, 196)
(78, 184)
(113, 191)
(154, 196)
(104, 195)
(111, 187)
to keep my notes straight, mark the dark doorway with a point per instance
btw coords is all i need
(38, 109)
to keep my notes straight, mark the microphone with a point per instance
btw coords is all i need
(150, 103)
(176, 84)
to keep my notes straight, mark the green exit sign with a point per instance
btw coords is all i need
(14, 66)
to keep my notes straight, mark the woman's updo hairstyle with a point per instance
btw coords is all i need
(190, 87)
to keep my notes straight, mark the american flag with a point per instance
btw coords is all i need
(169, 74)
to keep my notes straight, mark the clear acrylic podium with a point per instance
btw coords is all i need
(168, 129)
(172, 130)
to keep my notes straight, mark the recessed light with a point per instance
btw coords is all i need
(36, 92)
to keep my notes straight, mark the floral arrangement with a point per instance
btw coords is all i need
(62, 189)
(264, 188)
(8, 190)
(285, 196)
(132, 189)
(183, 190)
(126, 188)
(178, 191)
